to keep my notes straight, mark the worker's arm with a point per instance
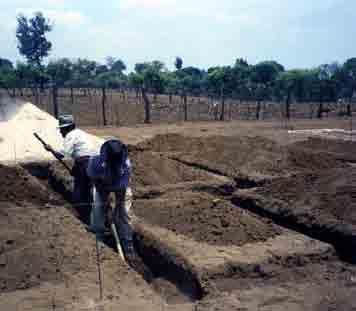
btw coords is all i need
(57, 154)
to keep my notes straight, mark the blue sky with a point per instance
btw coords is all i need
(296, 33)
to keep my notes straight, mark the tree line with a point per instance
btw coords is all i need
(267, 80)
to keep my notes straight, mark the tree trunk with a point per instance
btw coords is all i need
(288, 104)
(348, 108)
(103, 105)
(320, 107)
(170, 99)
(185, 101)
(258, 110)
(222, 114)
(55, 101)
(147, 106)
(72, 96)
(216, 110)
(37, 96)
(230, 110)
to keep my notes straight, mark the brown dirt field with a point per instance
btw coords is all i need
(41, 263)
(274, 130)
(151, 168)
(342, 150)
(314, 286)
(256, 157)
(205, 219)
(204, 252)
(18, 186)
(330, 194)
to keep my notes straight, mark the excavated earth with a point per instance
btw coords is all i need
(221, 223)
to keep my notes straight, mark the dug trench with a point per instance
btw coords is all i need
(195, 243)
(169, 276)
(307, 186)
(167, 270)
(189, 238)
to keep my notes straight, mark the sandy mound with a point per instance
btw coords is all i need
(18, 122)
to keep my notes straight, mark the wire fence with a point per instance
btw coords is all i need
(127, 108)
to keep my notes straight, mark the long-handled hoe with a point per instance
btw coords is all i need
(53, 152)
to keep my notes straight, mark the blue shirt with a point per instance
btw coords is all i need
(113, 178)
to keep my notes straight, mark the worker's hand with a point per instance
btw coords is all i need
(48, 147)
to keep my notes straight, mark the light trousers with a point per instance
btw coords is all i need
(121, 215)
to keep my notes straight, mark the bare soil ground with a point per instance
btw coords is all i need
(217, 206)
(205, 219)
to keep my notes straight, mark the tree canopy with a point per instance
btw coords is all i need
(31, 36)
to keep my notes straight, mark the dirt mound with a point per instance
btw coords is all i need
(236, 156)
(342, 149)
(331, 194)
(172, 142)
(36, 246)
(205, 219)
(154, 169)
(19, 187)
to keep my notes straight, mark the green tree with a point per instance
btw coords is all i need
(266, 72)
(171, 83)
(221, 82)
(8, 79)
(7, 75)
(178, 63)
(240, 62)
(118, 66)
(292, 83)
(84, 72)
(6, 64)
(31, 36)
(241, 75)
(148, 77)
(60, 72)
(33, 45)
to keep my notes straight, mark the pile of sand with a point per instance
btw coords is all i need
(18, 121)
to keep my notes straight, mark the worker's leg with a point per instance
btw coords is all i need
(97, 215)
(81, 193)
(123, 218)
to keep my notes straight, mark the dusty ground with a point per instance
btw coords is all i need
(205, 219)
(204, 247)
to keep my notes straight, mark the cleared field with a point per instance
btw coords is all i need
(229, 216)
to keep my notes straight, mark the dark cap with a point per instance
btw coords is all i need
(65, 120)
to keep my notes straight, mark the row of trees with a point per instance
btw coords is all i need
(266, 80)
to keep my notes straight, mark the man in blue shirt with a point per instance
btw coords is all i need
(110, 173)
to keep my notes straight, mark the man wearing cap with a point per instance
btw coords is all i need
(77, 145)
(110, 172)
